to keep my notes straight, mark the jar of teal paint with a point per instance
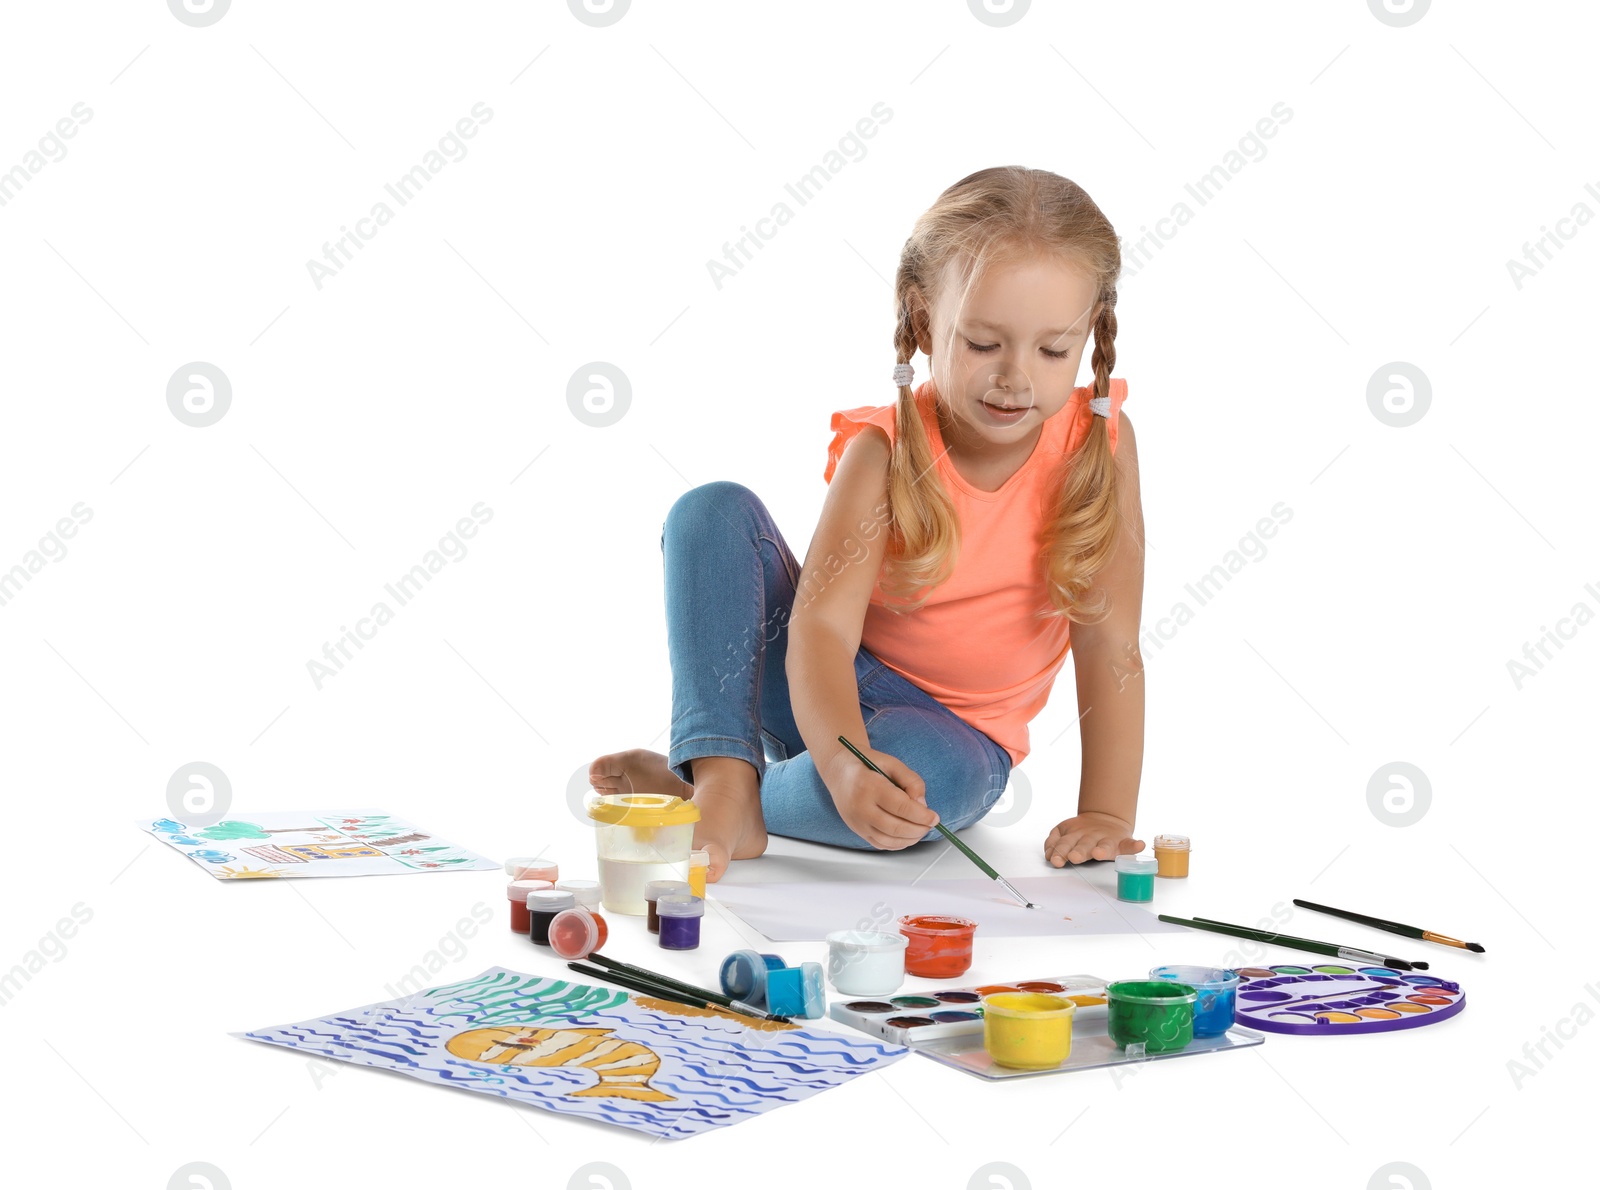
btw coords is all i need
(1136, 878)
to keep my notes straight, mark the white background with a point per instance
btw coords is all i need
(431, 373)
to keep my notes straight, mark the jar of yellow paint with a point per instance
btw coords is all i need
(699, 866)
(1027, 1030)
(1172, 855)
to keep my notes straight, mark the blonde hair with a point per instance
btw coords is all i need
(996, 215)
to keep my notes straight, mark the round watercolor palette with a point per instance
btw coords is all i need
(1334, 1000)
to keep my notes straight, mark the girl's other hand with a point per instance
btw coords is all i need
(1090, 836)
(889, 814)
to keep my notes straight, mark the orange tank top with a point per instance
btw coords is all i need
(976, 645)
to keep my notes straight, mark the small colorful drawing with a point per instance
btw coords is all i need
(324, 851)
(273, 855)
(653, 1065)
(355, 843)
(227, 831)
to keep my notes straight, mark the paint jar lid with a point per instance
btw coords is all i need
(744, 976)
(1205, 979)
(867, 941)
(812, 994)
(655, 889)
(1172, 842)
(574, 933)
(786, 991)
(1135, 865)
(642, 810)
(699, 858)
(586, 892)
(518, 890)
(679, 905)
(531, 867)
(550, 900)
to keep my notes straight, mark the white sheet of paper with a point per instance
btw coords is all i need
(810, 911)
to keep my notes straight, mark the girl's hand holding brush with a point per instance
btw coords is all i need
(890, 812)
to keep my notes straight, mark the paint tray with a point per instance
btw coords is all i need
(947, 1026)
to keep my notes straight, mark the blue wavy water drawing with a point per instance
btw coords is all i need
(713, 1071)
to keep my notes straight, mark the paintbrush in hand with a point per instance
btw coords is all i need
(947, 833)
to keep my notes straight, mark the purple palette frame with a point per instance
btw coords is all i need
(1303, 1000)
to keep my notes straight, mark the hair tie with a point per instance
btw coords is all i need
(903, 374)
(1100, 406)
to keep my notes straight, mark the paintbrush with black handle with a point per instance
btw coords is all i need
(1394, 927)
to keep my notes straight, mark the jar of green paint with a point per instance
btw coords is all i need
(1155, 1013)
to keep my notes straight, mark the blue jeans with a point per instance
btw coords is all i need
(730, 590)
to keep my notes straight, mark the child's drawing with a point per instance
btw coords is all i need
(357, 843)
(653, 1065)
(624, 1067)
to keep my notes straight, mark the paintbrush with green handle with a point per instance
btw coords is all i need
(947, 833)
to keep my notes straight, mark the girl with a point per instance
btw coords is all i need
(973, 531)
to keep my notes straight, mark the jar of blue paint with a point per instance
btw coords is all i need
(1215, 999)
(1136, 878)
(680, 916)
(744, 975)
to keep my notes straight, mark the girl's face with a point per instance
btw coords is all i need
(1013, 352)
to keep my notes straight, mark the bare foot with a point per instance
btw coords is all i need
(728, 792)
(637, 770)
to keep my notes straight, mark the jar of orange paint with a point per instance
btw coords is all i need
(937, 947)
(1172, 855)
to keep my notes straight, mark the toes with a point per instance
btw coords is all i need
(719, 861)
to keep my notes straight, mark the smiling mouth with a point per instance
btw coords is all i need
(1004, 408)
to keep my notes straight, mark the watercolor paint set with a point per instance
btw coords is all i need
(948, 1026)
(958, 1012)
(1336, 1000)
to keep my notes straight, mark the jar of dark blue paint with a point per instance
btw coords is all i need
(680, 915)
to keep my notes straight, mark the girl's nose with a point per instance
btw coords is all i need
(1010, 379)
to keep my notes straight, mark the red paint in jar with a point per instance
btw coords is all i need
(938, 947)
(517, 893)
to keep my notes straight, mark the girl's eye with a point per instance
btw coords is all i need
(987, 347)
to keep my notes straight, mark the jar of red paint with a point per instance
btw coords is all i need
(577, 933)
(517, 893)
(937, 947)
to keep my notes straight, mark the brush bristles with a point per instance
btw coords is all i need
(1474, 948)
